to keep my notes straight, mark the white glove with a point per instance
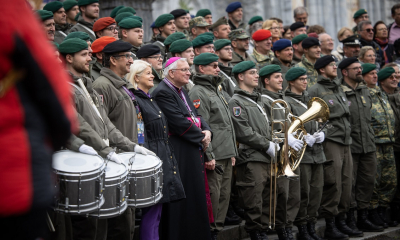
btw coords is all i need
(296, 144)
(87, 150)
(143, 150)
(114, 157)
(310, 139)
(320, 137)
(271, 149)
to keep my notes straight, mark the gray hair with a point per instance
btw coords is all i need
(364, 50)
(254, 27)
(137, 69)
(299, 10)
(173, 66)
(361, 24)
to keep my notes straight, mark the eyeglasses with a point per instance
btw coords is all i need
(382, 29)
(112, 29)
(157, 57)
(215, 66)
(392, 77)
(182, 69)
(127, 55)
(356, 68)
(302, 79)
(369, 30)
(370, 56)
(332, 65)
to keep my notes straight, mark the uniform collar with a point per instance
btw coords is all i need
(114, 79)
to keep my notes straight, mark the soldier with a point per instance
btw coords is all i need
(213, 107)
(71, 9)
(362, 147)
(197, 26)
(327, 44)
(298, 28)
(60, 19)
(298, 50)
(240, 44)
(105, 26)
(256, 148)
(312, 51)
(97, 48)
(338, 168)
(126, 10)
(47, 23)
(221, 28)
(283, 52)
(351, 48)
(255, 24)
(114, 12)
(89, 10)
(235, 15)
(184, 49)
(152, 54)
(262, 52)
(181, 21)
(203, 43)
(165, 23)
(131, 32)
(172, 38)
(359, 16)
(206, 14)
(223, 49)
(84, 36)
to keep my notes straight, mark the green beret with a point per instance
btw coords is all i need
(72, 45)
(81, 35)
(180, 45)
(359, 13)
(129, 23)
(243, 66)
(53, 6)
(126, 9)
(220, 43)
(202, 39)
(173, 37)
(203, 12)
(367, 67)
(205, 59)
(113, 13)
(163, 19)
(137, 18)
(385, 73)
(77, 16)
(44, 14)
(86, 2)
(269, 69)
(69, 4)
(294, 73)
(121, 16)
(299, 38)
(255, 19)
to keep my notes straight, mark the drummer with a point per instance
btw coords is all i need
(155, 139)
(96, 130)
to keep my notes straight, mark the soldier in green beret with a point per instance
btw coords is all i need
(81, 35)
(126, 9)
(122, 16)
(165, 23)
(297, 48)
(89, 10)
(131, 31)
(206, 14)
(197, 26)
(60, 18)
(71, 9)
(359, 16)
(47, 23)
(114, 12)
(203, 43)
(183, 48)
(240, 44)
(172, 38)
(213, 107)
(223, 49)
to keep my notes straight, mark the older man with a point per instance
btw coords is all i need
(190, 136)
(235, 15)
(298, 28)
(300, 14)
(47, 23)
(89, 10)
(60, 19)
(105, 26)
(327, 44)
(262, 53)
(366, 32)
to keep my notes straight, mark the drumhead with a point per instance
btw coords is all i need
(74, 162)
(140, 162)
(114, 169)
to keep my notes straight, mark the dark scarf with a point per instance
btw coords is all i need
(383, 44)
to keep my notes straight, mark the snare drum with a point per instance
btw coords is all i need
(80, 181)
(145, 179)
(115, 191)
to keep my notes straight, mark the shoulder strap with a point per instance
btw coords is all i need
(88, 29)
(270, 98)
(62, 33)
(259, 107)
(299, 102)
(234, 85)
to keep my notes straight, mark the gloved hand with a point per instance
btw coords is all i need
(114, 157)
(296, 144)
(320, 137)
(143, 150)
(310, 139)
(87, 150)
(271, 149)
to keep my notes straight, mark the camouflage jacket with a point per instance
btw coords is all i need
(236, 58)
(312, 74)
(394, 100)
(262, 60)
(382, 117)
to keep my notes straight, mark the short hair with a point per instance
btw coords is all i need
(267, 24)
(342, 31)
(137, 69)
(106, 60)
(364, 50)
(361, 24)
(392, 64)
(396, 6)
(173, 66)
(276, 19)
(318, 29)
(376, 26)
(299, 10)
(285, 29)
(254, 27)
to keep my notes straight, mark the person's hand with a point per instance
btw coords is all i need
(295, 143)
(143, 150)
(310, 139)
(114, 157)
(206, 140)
(271, 149)
(87, 150)
(210, 165)
(233, 159)
(320, 137)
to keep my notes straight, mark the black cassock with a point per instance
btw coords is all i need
(186, 219)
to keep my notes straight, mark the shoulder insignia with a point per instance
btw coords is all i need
(237, 111)
(330, 101)
(196, 103)
(102, 99)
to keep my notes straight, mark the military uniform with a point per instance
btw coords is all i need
(262, 60)
(229, 82)
(284, 70)
(239, 33)
(296, 60)
(236, 58)
(159, 41)
(95, 68)
(213, 107)
(196, 22)
(83, 26)
(233, 27)
(312, 74)
(61, 32)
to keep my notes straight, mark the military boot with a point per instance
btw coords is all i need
(342, 226)
(282, 235)
(255, 235)
(395, 212)
(351, 220)
(214, 235)
(331, 232)
(312, 232)
(364, 224)
(264, 235)
(289, 233)
(374, 218)
(231, 218)
(382, 214)
(303, 233)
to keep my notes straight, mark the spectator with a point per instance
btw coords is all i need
(381, 37)
(273, 27)
(368, 55)
(394, 27)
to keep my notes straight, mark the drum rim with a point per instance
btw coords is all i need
(83, 172)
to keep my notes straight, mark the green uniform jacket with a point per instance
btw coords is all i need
(338, 128)
(134, 51)
(83, 26)
(61, 32)
(312, 74)
(314, 154)
(296, 60)
(382, 117)
(92, 128)
(394, 100)
(233, 27)
(228, 85)
(159, 41)
(118, 105)
(266, 96)
(360, 104)
(213, 107)
(251, 127)
(236, 58)
(157, 79)
(262, 60)
(95, 69)
(284, 70)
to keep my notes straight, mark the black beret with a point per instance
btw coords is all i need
(385, 73)
(294, 73)
(178, 13)
(296, 25)
(148, 50)
(243, 66)
(309, 42)
(347, 62)
(323, 61)
(352, 40)
(205, 59)
(117, 46)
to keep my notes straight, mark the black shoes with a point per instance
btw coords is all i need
(289, 233)
(255, 235)
(331, 232)
(364, 224)
(342, 226)
(231, 218)
(282, 235)
(214, 235)
(263, 235)
(374, 218)
(312, 232)
(382, 214)
(303, 233)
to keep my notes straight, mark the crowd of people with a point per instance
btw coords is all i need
(200, 95)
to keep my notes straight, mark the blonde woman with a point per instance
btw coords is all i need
(273, 27)
(343, 33)
(368, 55)
(156, 139)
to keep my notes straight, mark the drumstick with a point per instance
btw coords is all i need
(50, 223)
